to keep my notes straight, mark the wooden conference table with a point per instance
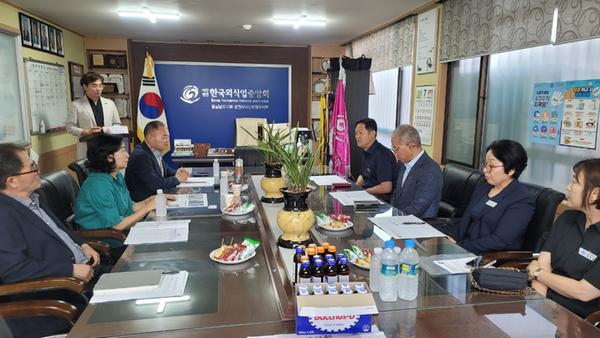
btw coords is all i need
(257, 298)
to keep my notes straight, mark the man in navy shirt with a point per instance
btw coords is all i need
(379, 171)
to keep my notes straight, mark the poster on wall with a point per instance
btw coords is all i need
(423, 113)
(580, 117)
(204, 99)
(426, 41)
(545, 112)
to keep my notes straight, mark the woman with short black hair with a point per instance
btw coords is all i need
(500, 208)
(104, 201)
(568, 269)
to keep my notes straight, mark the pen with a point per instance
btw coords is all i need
(413, 222)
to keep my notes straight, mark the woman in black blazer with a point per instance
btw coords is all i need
(501, 207)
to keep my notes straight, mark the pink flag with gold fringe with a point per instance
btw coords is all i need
(340, 157)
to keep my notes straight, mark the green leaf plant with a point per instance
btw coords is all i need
(298, 163)
(270, 143)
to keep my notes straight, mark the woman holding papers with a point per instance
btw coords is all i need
(568, 270)
(501, 207)
(103, 201)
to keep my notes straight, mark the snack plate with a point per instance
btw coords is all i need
(349, 225)
(360, 266)
(240, 213)
(212, 256)
(244, 188)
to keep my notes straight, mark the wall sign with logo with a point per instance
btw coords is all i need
(204, 99)
(565, 113)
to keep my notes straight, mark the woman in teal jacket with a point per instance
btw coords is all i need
(103, 201)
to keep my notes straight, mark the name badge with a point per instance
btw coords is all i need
(588, 255)
(491, 203)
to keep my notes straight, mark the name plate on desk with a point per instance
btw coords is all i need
(221, 152)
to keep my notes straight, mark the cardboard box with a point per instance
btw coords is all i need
(334, 313)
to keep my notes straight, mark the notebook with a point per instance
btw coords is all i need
(125, 281)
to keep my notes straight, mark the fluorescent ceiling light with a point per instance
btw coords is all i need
(148, 14)
(301, 21)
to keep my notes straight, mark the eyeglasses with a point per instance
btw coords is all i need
(489, 167)
(395, 149)
(34, 169)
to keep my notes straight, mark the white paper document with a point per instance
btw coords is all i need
(349, 197)
(158, 232)
(194, 182)
(117, 129)
(171, 285)
(188, 201)
(457, 265)
(327, 179)
(406, 227)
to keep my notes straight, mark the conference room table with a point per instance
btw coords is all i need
(257, 297)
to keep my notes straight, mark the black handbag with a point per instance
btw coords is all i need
(364, 63)
(350, 63)
(361, 63)
(508, 281)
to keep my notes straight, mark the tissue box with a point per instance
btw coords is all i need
(334, 313)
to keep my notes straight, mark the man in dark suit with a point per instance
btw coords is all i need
(147, 171)
(419, 187)
(33, 242)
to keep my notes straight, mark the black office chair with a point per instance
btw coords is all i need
(62, 298)
(80, 170)
(252, 157)
(459, 182)
(58, 192)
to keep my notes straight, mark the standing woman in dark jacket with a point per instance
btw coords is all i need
(568, 269)
(500, 209)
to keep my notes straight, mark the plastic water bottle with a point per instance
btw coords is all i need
(375, 269)
(216, 171)
(224, 183)
(161, 204)
(388, 279)
(409, 282)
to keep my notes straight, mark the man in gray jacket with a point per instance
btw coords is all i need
(419, 186)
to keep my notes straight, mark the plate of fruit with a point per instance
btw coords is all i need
(334, 222)
(359, 257)
(235, 253)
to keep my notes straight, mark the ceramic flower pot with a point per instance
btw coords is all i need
(295, 219)
(272, 183)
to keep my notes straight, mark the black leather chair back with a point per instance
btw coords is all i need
(546, 202)
(80, 170)
(252, 157)
(58, 192)
(459, 182)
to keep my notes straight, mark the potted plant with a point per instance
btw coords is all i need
(273, 181)
(296, 218)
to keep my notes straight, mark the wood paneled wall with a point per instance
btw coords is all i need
(298, 57)
(57, 159)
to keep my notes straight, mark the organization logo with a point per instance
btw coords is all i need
(190, 94)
